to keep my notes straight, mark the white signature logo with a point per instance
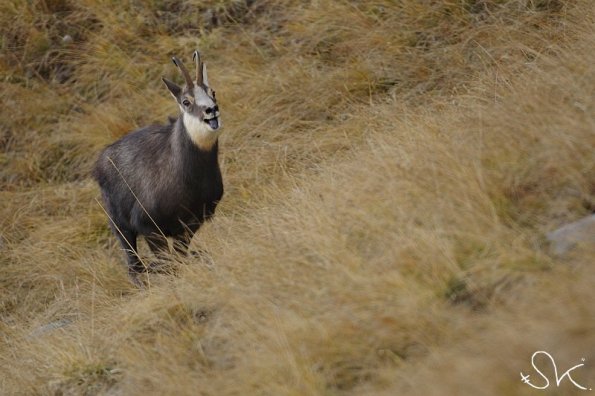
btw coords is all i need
(525, 378)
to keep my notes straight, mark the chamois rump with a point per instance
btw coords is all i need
(164, 180)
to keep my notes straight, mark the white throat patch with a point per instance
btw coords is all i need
(200, 132)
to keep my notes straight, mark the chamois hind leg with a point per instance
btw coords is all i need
(127, 239)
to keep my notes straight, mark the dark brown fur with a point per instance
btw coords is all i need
(155, 182)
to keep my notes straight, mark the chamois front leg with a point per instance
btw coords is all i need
(158, 245)
(182, 241)
(160, 248)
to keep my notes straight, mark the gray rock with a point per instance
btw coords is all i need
(67, 39)
(49, 327)
(566, 237)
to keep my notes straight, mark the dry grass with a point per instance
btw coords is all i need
(390, 170)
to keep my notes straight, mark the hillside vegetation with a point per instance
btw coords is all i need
(391, 170)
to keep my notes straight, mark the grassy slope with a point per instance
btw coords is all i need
(390, 173)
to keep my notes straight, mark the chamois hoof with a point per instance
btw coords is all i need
(199, 253)
(135, 279)
(202, 255)
(158, 267)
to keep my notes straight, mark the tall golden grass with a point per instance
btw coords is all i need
(391, 169)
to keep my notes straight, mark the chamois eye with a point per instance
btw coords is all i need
(186, 102)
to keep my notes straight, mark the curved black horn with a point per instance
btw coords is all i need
(184, 71)
(196, 57)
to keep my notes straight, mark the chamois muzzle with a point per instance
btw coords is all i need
(212, 114)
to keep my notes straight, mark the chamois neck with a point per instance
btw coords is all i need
(185, 143)
(201, 135)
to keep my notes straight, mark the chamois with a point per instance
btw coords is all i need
(164, 180)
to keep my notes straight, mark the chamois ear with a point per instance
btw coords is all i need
(198, 63)
(205, 80)
(173, 88)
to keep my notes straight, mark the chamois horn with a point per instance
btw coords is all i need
(184, 71)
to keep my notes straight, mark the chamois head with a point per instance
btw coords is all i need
(197, 102)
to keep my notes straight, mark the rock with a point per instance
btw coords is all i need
(67, 39)
(49, 327)
(568, 236)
